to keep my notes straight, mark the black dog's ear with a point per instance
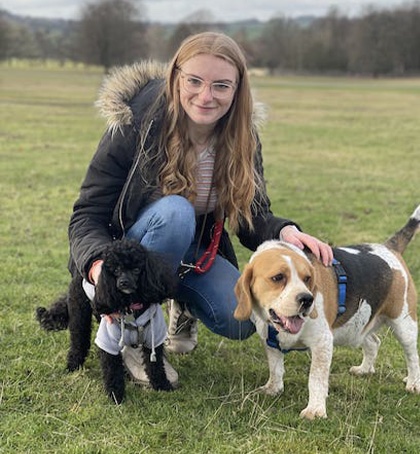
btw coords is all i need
(157, 280)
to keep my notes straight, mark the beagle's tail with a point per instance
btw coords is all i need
(399, 241)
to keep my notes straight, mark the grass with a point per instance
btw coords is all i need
(341, 159)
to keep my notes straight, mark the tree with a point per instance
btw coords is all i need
(5, 41)
(278, 45)
(110, 33)
(197, 22)
(326, 46)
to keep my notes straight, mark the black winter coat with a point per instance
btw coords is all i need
(124, 173)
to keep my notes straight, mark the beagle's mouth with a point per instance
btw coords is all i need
(291, 325)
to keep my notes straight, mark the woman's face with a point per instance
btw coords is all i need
(207, 87)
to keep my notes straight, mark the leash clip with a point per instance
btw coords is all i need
(184, 268)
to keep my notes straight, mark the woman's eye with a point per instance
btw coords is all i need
(194, 82)
(219, 87)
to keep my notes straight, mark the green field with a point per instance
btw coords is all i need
(342, 159)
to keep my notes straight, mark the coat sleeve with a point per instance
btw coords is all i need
(89, 228)
(266, 226)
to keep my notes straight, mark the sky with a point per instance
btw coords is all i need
(173, 11)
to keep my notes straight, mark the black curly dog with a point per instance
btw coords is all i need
(129, 274)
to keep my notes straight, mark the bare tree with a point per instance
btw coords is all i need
(326, 44)
(111, 33)
(5, 41)
(198, 21)
(278, 45)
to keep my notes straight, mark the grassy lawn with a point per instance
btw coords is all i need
(342, 159)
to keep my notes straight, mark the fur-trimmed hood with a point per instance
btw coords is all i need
(122, 84)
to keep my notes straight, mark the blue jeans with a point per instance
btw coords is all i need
(168, 226)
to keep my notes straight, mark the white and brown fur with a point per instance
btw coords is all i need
(291, 290)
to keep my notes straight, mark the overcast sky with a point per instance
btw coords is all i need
(177, 10)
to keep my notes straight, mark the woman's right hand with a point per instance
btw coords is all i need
(95, 271)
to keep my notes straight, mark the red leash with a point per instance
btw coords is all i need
(205, 262)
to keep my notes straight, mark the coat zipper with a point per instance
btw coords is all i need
(130, 177)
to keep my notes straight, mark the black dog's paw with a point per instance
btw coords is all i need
(116, 395)
(73, 366)
(113, 375)
(163, 385)
(75, 361)
(155, 370)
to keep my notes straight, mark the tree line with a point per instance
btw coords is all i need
(115, 32)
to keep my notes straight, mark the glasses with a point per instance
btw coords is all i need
(194, 85)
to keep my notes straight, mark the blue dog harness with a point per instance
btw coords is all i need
(340, 272)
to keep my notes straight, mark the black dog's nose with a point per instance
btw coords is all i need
(305, 300)
(125, 284)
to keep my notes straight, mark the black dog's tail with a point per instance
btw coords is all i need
(56, 317)
(399, 241)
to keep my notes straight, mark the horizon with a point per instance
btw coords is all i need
(176, 11)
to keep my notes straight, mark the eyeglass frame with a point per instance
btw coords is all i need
(204, 84)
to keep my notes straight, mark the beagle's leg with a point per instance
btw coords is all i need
(406, 331)
(275, 383)
(370, 349)
(275, 360)
(321, 352)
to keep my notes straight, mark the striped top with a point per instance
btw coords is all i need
(203, 203)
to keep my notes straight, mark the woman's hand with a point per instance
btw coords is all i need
(322, 251)
(95, 271)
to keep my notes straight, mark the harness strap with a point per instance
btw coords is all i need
(342, 285)
(273, 342)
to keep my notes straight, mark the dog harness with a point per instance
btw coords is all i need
(340, 272)
(148, 329)
(342, 285)
(115, 333)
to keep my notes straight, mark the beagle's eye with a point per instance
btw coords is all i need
(307, 279)
(278, 277)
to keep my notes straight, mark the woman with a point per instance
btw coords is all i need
(180, 157)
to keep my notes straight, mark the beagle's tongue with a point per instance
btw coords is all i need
(292, 324)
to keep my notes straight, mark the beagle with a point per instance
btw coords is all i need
(296, 302)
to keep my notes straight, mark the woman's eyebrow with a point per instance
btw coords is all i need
(213, 81)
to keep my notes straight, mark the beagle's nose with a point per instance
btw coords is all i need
(305, 300)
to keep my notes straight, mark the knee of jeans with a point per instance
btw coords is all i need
(244, 330)
(236, 330)
(177, 211)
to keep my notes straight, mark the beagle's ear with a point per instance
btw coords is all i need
(314, 313)
(243, 295)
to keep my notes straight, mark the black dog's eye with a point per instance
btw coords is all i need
(278, 277)
(136, 271)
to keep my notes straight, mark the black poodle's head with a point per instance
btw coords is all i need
(131, 275)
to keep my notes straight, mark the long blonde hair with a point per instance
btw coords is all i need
(235, 135)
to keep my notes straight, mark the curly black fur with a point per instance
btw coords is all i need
(129, 274)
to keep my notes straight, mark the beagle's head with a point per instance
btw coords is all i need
(278, 284)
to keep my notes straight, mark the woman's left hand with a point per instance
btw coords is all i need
(321, 250)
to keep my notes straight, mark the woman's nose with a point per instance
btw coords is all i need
(206, 94)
